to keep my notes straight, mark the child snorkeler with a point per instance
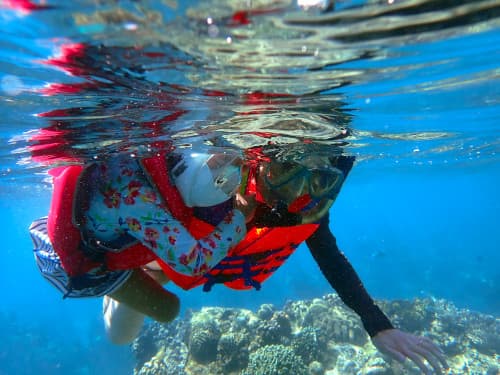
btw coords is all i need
(113, 222)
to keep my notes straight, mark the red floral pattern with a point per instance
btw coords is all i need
(144, 216)
(112, 198)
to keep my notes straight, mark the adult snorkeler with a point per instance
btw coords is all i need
(291, 201)
(286, 203)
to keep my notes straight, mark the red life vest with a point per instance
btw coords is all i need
(247, 265)
(66, 237)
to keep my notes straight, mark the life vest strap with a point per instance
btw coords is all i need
(247, 268)
(156, 169)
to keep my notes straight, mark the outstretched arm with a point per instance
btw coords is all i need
(344, 279)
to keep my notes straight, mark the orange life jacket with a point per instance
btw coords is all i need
(257, 256)
(247, 265)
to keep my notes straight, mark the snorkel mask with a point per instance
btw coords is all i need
(309, 191)
(205, 180)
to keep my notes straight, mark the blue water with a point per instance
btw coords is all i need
(417, 216)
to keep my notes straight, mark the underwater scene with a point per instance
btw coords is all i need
(250, 187)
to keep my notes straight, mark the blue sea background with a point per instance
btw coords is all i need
(417, 225)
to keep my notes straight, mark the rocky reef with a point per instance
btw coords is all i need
(314, 337)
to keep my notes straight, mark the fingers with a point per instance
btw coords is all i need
(424, 348)
(246, 204)
(395, 354)
(430, 358)
(434, 351)
(402, 356)
(416, 359)
(240, 199)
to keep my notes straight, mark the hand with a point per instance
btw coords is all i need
(401, 345)
(246, 204)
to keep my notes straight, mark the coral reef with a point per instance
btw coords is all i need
(165, 343)
(232, 352)
(204, 338)
(275, 359)
(144, 347)
(275, 330)
(306, 344)
(313, 337)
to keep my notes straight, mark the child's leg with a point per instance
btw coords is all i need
(144, 294)
(141, 295)
(122, 323)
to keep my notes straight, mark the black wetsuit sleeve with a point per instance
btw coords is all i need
(344, 279)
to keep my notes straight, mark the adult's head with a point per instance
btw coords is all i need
(308, 186)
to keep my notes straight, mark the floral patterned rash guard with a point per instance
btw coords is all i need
(122, 201)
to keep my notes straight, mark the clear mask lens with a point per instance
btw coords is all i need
(325, 183)
(290, 181)
(226, 172)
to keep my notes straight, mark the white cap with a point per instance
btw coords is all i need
(202, 186)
